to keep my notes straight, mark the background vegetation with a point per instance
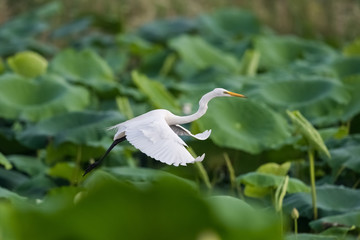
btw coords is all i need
(282, 164)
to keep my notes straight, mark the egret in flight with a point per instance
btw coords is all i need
(155, 133)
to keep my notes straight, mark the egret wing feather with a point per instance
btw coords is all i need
(157, 140)
(180, 130)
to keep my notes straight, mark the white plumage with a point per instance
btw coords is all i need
(155, 133)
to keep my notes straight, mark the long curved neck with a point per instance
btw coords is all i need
(203, 106)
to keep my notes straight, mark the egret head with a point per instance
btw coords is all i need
(221, 92)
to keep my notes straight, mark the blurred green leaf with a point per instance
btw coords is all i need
(64, 170)
(27, 164)
(266, 180)
(311, 95)
(2, 66)
(5, 162)
(346, 154)
(241, 220)
(278, 51)
(308, 236)
(156, 92)
(346, 66)
(311, 135)
(353, 48)
(37, 99)
(83, 128)
(196, 52)
(229, 23)
(347, 220)
(5, 193)
(353, 108)
(85, 67)
(163, 30)
(28, 64)
(269, 168)
(244, 125)
(331, 200)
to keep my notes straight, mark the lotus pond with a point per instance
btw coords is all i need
(282, 164)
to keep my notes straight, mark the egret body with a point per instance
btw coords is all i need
(156, 133)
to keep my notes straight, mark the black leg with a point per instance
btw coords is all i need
(98, 162)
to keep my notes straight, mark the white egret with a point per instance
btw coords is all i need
(155, 133)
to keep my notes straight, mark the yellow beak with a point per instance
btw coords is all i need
(235, 94)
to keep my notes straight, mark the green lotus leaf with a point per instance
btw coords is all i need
(85, 67)
(266, 180)
(353, 107)
(199, 54)
(28, 64)
(309, 236)
(348, 220)
(308, 131)
(37, 99)
(253, 190)
(346, 154)
(331, 200)
(30, 165)
(5, 193)
(229, 22)
(83, 128)
(320, 99)
(244, 125)
(2, 66)
(346, 66)
(156, 92)
(352, 49)
(278, 51)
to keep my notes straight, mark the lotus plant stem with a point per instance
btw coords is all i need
(295, 216)
(231, 171)
(356, 184)
(312, 180)
(77, 167)
(202, 171)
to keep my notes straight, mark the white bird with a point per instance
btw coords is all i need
(155, 133)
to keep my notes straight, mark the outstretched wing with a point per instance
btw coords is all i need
(157, 140)
(180, 130)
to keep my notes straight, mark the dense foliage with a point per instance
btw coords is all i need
(293, 143)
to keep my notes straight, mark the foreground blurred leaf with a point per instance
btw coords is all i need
(242, 221)
(195, 52)
(311, 135)
(163, 210)
(28, 64)
(244, 125)
(36, 99)
(5, 162)
(156, 92)
(83, 128)
(331, 200)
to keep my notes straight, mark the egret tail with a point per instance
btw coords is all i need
(98, 162)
